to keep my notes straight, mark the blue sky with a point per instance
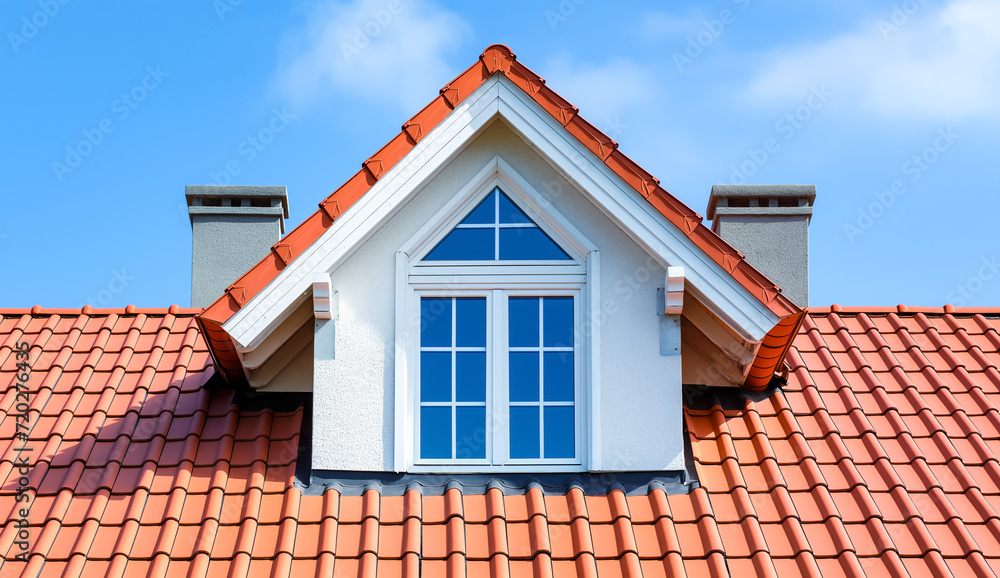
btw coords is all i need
(109, 109)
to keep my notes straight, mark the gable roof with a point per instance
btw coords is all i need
(499, 59)
(881, 455)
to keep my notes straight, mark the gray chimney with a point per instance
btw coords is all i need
(769, 224)
(233, 228)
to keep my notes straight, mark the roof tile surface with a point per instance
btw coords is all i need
(867, 462)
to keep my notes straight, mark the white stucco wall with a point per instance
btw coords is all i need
(640, 411)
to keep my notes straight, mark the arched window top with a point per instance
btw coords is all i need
(497, 230)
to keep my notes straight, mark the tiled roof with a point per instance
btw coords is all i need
(880, 455)
(499, 59)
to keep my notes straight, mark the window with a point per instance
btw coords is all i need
(496, 230)
(541, 377)
(497, 368)
(453, 378)
(511, 400)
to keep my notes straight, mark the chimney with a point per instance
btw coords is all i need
(770, 225)
(233, 228)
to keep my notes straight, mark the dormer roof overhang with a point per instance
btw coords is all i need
(496, 87)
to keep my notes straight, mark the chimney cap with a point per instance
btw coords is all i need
(806, 192)
(192, 192)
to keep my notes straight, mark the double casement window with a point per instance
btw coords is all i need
(495, 340)
(498, 378)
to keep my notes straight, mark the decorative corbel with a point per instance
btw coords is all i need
(674, 283)
(324, 297)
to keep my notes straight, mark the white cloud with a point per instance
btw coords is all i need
(657, 26)
(604, 93)
(387, 50)
(936, 63)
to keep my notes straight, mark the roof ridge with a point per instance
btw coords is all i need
(88, 310)
(901, 308)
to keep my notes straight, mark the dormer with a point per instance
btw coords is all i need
(499, 290)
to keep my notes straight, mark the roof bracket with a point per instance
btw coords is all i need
(674, 283)
(325, 300)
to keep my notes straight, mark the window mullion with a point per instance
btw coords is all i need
(454, 378)
(496, 227)
(499, 409)
(541, 377)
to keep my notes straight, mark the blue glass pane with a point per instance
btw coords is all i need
(484, 213)
(435, 322)
(435, 376)
(470, 433)
(560, 435)
(470, 376)
(523, 375)
(470, 322)
(527, 243)
(435, 433)
(524, 441)
(558, 321)
(523, 326)
(509, 213)
(464, 245)
(558, 375)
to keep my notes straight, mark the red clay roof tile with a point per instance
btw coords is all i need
(896, 472)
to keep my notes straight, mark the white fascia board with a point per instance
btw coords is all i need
(634, 215)
(267, 309)
(498, 96)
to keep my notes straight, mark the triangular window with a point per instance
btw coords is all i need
(497, 230)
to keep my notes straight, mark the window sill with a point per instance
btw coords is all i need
(537, 468)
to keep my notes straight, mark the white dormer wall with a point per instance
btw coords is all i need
(640, 409)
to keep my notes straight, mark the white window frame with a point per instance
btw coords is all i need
(578, 277)
(497, 400)
(490, 374)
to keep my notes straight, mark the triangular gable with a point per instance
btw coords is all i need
(499, 61)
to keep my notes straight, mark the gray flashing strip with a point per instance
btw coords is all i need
(235, 211)
(764, 191)
(393, 484)
(226, 191)
(742, 211)
(235, 190)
